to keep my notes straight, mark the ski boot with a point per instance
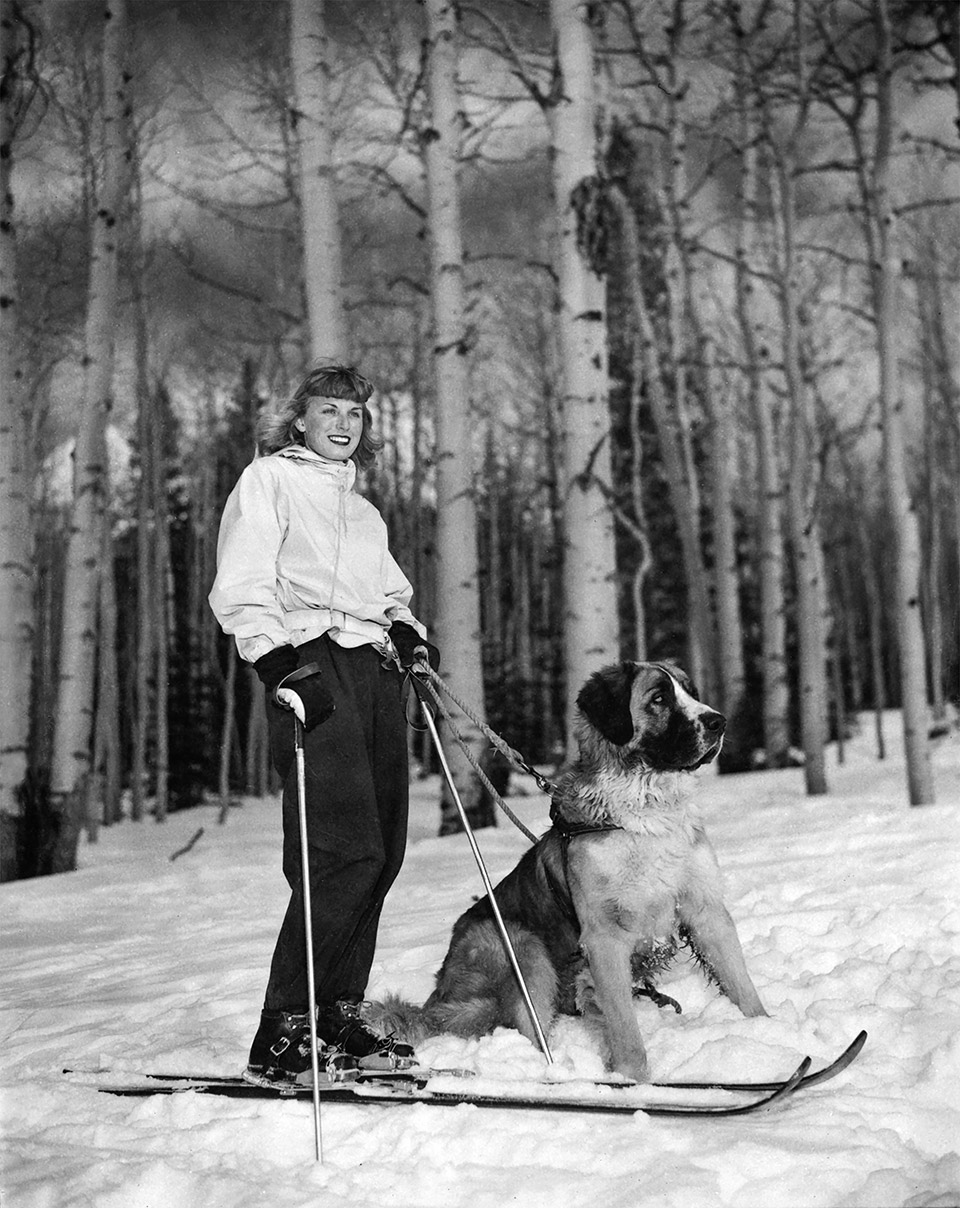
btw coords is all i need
(280, 1054)
(343, 1028)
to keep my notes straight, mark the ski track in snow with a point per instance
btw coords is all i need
(849, 913)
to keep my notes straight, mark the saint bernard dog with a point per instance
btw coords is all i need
(624, 876)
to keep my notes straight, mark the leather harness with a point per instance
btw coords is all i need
(568, 830)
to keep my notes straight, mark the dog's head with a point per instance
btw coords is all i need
(651, 712)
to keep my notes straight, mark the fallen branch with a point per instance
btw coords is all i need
(184, 850)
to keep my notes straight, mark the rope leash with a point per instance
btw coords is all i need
(503, 747)
(428, 679)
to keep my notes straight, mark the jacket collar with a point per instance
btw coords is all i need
(342, 471)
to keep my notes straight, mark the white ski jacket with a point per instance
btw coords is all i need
(300, 554)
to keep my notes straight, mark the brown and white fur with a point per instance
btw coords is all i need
(610, 911)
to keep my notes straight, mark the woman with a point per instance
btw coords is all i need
(304, 578)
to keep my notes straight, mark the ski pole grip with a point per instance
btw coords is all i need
(288, 681)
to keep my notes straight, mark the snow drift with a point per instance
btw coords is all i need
(847, 907)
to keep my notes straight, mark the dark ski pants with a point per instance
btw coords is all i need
(356, 791)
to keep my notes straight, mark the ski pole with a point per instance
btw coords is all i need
(308, 931)
(487, 883)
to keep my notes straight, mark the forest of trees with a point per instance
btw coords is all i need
(660, 298)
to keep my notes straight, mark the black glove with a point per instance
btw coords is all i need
(275, 665)
(406, 642)
(282, 678)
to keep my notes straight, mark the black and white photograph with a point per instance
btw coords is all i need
(480, 603)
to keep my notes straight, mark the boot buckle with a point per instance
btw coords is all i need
(280, 1046)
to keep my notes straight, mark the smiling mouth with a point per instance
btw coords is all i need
(337, 439)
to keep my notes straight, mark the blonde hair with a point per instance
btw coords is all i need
(277, 429)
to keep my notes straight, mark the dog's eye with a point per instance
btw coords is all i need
(658, 699)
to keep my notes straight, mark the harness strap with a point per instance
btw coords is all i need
(564, 899)
(561, 890)
(569, 830)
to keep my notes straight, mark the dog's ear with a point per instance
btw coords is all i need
(604, 701)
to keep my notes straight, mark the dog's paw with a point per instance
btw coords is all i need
(636, 1068)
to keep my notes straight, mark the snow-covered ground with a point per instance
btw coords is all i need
(849, 912)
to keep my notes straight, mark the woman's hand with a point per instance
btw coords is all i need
(293, 687)
(306, 694)
(411, 647)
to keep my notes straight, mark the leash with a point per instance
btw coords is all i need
(503, 747)
(429, 679)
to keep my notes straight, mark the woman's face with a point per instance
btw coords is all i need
(332, 427)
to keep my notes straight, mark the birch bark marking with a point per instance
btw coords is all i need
(590, 627)
(73, 717)
(319, 219)
(904, 526)
(458, 591)
(17, 620)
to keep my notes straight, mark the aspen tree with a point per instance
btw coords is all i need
(802, 478)
(902, 511)
(682, 321)
(802, 500)
(319, 218)
(147, 635)
(590, 603)
(458, 589)
(723, 456)
(770, 576)
(17, 619)
(74, 710)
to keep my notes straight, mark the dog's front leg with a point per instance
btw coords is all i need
(608, 955)
(714, 939)
(711, 931)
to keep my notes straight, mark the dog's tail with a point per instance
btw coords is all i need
(394, 1015)
(473, 1016)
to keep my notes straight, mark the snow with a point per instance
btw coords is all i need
(848, 910)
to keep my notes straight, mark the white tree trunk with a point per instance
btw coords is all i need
(773, 615)
(903, 518)
(17, 620)
(73, 715)
(723, 457)
(773, 627)
(319, 219)
(674, 426)
(591, 636)
(802, 507)
(458, 589)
